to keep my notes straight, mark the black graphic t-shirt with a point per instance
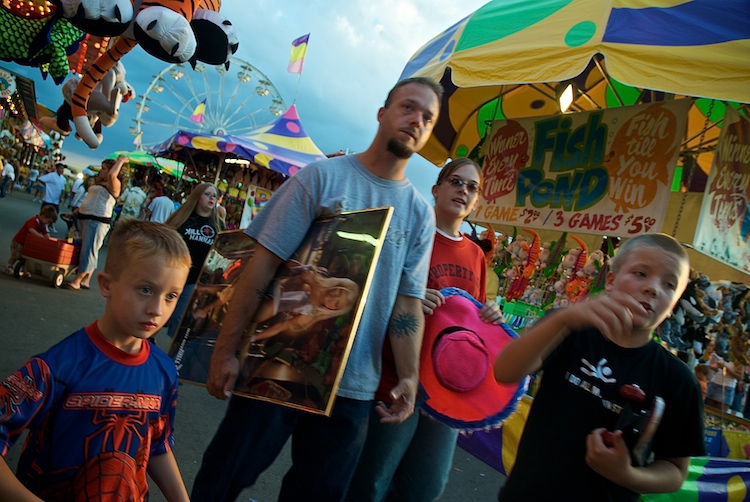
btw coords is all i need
(199, 235)
(580, 392)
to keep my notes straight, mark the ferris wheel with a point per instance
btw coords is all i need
(237, 101)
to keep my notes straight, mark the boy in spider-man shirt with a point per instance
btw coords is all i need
(100, 405)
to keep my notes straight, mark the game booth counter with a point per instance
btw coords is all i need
(709, 310)
(247, 168)
(585, 116)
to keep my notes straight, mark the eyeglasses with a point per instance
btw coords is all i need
(471, 186)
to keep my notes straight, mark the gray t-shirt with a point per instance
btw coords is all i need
(343, 184)
(161, 208)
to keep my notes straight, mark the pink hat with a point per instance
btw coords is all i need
(457, 385)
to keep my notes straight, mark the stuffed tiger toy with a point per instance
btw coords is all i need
(175, 31)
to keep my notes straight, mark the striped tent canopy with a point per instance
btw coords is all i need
(509, 58)
(171, 167)
(282, 146)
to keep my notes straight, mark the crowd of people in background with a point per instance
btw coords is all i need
(91, 202)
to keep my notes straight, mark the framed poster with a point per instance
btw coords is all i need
(295, 350)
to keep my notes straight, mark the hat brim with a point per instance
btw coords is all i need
(487, 405)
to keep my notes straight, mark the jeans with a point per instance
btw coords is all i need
(92, 239)
(325, 450)
(721, 394)
(7, 180)
(739, 396)
(410, 461)
(173, 324)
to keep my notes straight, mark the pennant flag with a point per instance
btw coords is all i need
(137, 140)
(197, 115)
(297, 60)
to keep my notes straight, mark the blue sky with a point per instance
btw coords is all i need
(356, 53)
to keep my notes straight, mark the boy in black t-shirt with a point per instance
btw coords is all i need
(588, 352)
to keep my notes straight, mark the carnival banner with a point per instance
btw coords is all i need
(724, 223)
(255, 199)
(603, 172)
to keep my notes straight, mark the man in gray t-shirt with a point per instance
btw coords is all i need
(326, 449)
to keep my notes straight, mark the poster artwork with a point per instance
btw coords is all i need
(295, 349)
(600, 172)
(723, 230)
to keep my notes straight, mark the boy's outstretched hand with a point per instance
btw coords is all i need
(612, 462)
(611, 313)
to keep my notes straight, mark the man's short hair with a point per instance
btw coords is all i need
(429, 82)
(49, 212)
(133, 240)
(59, 165)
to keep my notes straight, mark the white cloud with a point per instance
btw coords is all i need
(350, 34)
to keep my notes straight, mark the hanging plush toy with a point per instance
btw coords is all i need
(42, 42)
(578, 287)
(103, 107)
(174, 31)
(527, 254)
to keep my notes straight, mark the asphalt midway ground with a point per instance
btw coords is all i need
(34, 316)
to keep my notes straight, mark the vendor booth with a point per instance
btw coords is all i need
(595, 123)
(145, 161)
(247, 168)
(21, 141)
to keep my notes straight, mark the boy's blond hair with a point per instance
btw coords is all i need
(660, 242)
(49, 212)
(133, 240)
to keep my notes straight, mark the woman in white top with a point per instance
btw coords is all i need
(95, 218)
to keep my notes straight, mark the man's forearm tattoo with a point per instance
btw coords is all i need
(403, 325)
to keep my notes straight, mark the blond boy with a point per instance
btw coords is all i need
(99, 405)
